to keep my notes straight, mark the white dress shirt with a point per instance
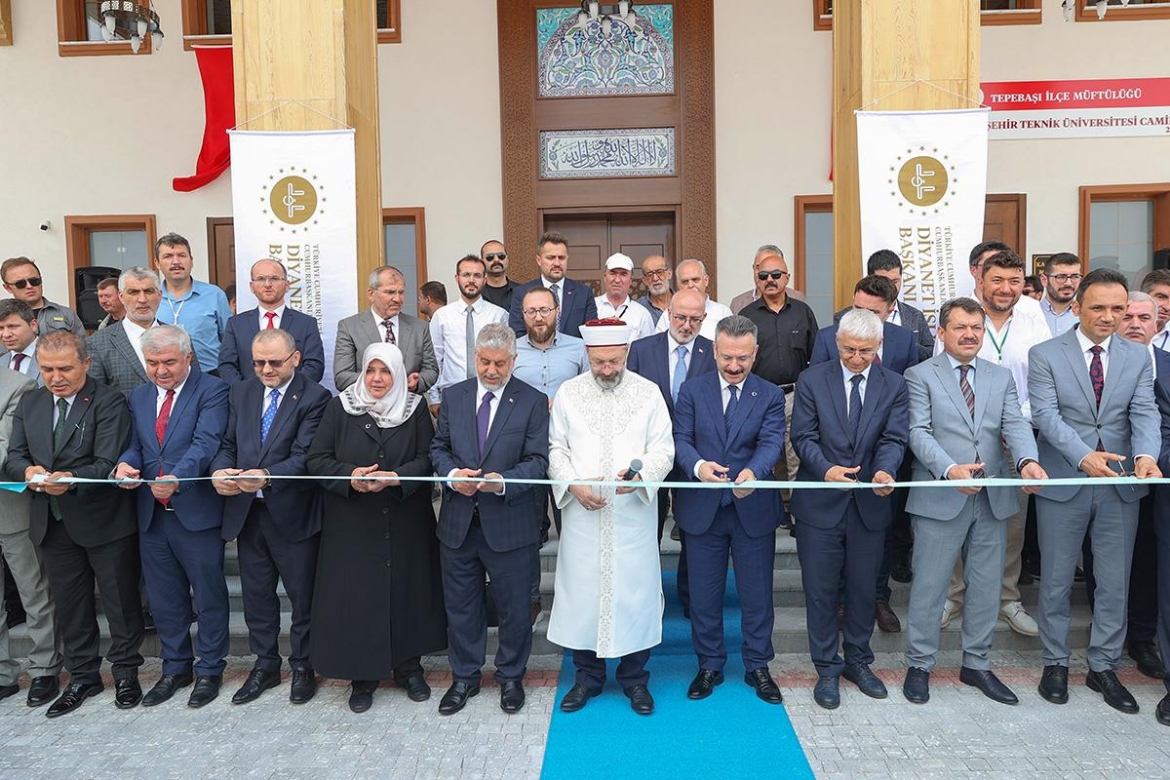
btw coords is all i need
(493, 407)
(630, 312)
(262, 314)
(1162, 338)
(162, 397)
(68, 407)
(1087, 345)
(134, 333)
(724, 399)
(449, 336)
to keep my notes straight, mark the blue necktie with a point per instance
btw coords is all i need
(729, 412)
(481, 419)
(269, 415)
(680, 372)
(855, 408)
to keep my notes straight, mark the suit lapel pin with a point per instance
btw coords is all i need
(754, 394)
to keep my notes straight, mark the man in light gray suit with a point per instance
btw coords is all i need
(962, 409)
(384, 321)
(1093, 403)
(22, 560)
(116, 351)
(18, 336)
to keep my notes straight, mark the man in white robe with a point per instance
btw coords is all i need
(608, 601)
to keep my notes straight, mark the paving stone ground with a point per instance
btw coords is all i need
(959, 735)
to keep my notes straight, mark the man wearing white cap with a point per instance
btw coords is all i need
(617, 303)
(609, 424)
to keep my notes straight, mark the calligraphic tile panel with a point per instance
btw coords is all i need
(595, 154)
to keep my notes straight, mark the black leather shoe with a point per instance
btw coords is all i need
(73, 698)
(361, 695)
(165, 688)
(765, 686)
(1116, 695)
(456, 697)
(1054, 684)
(986, 681)
(9, 690)
(148, 621)
(1149, 663)
(886, 619)
(827, 692)
(901, 572)
(864, 678)
(641, 701)
(303, 687)
(916, 686)
(577, 697)
(43, 690)
(704, 682)
(511, 697)
(1162, 711)
(416, 687)
(127, 693)
(205, 691)
(259, 680)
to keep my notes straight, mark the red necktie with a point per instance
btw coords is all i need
(18, 358)
(160, 428)
(271, 315)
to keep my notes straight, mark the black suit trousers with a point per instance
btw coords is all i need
(266, 555)
(73, 570)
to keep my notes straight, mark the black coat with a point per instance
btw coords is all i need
(378, 600)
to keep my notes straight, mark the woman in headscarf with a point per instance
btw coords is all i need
(378, 603)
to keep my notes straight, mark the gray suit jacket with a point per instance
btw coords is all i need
(356, 333)
(911, 319)
(942, 434)
(1065, 410)
(14, 507)
(34, 369)
(115, 362)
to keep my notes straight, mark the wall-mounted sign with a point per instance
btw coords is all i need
(599, 154)
(1081, 108)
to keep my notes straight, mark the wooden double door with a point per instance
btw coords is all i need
(594, 237)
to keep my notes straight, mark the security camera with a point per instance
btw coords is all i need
(45, 225)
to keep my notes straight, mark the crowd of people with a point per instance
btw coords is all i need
(178, 427)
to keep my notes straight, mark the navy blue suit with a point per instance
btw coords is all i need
(577, 306)
(842, 532)
(181, 546)
(899, 350)
(279, 533)
(235, 349)
(496, 533)
(716, 523)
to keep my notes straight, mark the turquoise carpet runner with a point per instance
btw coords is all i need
(731, 734)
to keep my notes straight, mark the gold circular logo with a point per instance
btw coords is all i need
(922, 181)
(293, 200)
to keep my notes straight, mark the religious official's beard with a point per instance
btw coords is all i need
(609, 383)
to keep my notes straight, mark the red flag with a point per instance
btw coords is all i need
(219, 99)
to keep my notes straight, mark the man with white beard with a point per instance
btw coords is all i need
(609, 424)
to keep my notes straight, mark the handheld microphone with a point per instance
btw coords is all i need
(632, 472)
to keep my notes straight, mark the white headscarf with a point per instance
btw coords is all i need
(392, 409)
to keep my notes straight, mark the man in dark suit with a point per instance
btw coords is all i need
(76, 427)
(117, 349)
(574, 299)
(269, 284)
(385, 321)
(898, 349)
(669, 359)
(885, 262)
(271, 421)
(494, 427)
(849, 424)
(729, 428)
(178, 420)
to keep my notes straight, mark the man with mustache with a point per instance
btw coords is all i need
(197, 307)
(656, 275)
(107, 297)
(1062, 274)
(498, 288)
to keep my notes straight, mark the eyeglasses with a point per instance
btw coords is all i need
(1062, 278)
(277, 364)
(683, 319)
(32, 281)
(267, 279)
(657, 272)
(543, 311)
(763, 275)
(865, 352)
(496, 256)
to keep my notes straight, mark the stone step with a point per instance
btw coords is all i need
(789, 637)
(668, 553)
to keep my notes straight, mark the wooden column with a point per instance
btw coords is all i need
(881, 49)
(324, 54)
(5, 23)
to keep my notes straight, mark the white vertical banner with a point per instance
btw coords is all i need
(922, 179)
(294, 198)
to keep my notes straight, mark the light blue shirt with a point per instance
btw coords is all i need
(203, 312)
(1058, 323)
(548, 369)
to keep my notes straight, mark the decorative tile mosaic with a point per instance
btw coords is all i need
(576, 60)
(595, 154)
